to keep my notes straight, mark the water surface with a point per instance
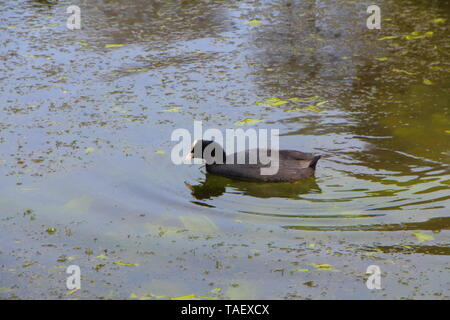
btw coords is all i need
(85, 124)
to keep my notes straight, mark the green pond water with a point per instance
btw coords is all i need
(87, 179)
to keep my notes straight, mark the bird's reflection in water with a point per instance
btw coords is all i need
(215, 186)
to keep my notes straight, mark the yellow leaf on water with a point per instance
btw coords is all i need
(113, 45)
(438, 20)
(145, 297)
(325, 267)
(189, 297)
(422, 237)
(254, 22)
(88, 150)
(427, 82)
(160, 152)
(274, 102)
(216, 290)
(120, 263)
(248, 122)
(388, 38)
(321, 103)
(382, 59)
(403, 71)
(50, 230)
(119, 110)
(300, 270)
(435, 68)
(174, 109)
(72, 292)
(416, 35)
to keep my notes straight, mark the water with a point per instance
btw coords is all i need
(85, 149)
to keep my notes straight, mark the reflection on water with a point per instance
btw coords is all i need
(85, 126)
(434, 224)
(215, 186)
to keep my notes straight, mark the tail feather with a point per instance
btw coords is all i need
(313, 162)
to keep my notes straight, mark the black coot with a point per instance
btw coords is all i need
(292, 165)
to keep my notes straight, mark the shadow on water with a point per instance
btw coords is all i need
(43, 6)
(49, 3)
(215, 186)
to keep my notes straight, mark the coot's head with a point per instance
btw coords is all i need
(208, 150)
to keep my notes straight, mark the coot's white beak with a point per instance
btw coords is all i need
(189, 156)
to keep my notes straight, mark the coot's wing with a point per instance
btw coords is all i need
(286, 158)
(247, 157)
(282, 154)
(295, 155)
(294, 164)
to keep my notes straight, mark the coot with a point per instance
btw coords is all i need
(292, 165)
